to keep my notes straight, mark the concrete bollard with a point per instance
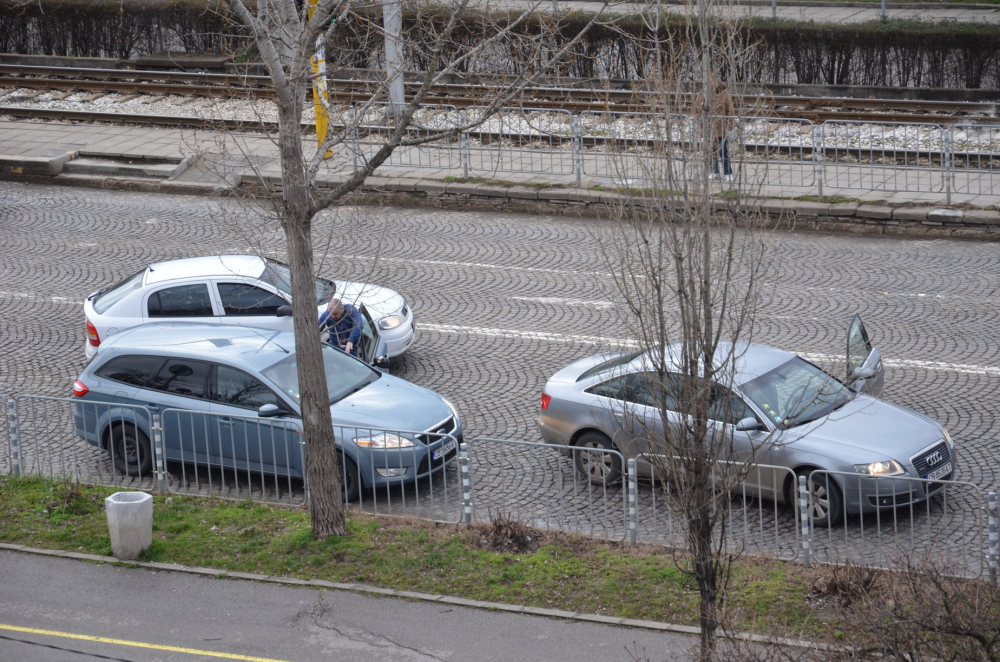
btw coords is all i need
(130, 523)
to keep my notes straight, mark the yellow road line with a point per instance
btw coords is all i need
(139, 644)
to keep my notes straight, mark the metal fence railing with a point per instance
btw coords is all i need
(373, 128)
(975, 159)
(540, 485)
(887, 156)
(432, 474)
(523, 140)
(627, 149)
(97, 442)
(756, 518)
(889, 520)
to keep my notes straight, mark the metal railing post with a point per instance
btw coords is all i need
(774, 9)
(946, 170)
(463, 144)
(355, 148)
(633, 532)
(991, 554)
(804, 517)
(463, 459)
(158, 454)
(305, 474)
(577, 142)
(15, 453)
(819, 156)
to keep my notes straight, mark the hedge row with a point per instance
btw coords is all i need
(897, 52)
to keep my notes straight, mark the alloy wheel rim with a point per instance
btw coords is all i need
(820, 500)
(597, 465)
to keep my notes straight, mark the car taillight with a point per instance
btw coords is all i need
(79, 390)
(92, 336)
(546, 398)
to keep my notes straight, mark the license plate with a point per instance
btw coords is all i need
(940, 471)
(446, 448)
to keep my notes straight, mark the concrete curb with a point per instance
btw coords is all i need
(850, 218)
(851, 5)
(414, 595)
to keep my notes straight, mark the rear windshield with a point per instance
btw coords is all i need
(109, 296)
(624, 359)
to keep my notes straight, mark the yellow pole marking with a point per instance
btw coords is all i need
(139, 644)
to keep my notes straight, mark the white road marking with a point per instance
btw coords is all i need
(545, 336)
(481, 265)
(567, 302)
(32, 296)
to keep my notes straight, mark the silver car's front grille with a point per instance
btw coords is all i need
(930, 460)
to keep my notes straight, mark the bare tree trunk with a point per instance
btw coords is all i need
(326, 499)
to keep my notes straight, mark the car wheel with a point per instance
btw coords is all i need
(349, 478)
(600, 468)
(130, 450)
(826, 501)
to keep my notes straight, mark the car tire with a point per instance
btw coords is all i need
(596, 467)
(130, 449)
(350, 479)
(826, 500)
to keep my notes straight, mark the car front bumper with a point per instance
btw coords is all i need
(398, 340)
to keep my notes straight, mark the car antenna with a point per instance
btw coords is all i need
(269, 339)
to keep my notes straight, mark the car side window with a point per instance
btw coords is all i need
(728, 407)
(613, 388)
(237, 388)
(243, 299)
(645, 388)
(181, 301)
(182, 377)
(133, 370)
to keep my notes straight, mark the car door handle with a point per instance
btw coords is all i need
(225, 421)
(151, 407)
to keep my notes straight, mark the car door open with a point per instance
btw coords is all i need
(373, 350)
(865, 372)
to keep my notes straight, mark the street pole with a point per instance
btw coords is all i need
(392, 21)
(321, 96)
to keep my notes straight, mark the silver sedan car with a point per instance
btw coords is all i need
(784, 412)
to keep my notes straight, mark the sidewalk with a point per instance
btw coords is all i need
(155, 611)
(192, 161)
(820, 12)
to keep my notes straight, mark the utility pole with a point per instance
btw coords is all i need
(321, 96)
(392, 21)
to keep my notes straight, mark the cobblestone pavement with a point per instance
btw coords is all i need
(503, 301)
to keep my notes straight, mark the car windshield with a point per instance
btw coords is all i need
(279, 275)
(344, 375)
(109, 296)
(796, 393)
(624, 359)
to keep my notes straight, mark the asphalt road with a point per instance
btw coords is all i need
(243, 620)
(503, 301)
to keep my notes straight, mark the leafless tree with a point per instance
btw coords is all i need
(688, 254)
(285, 34)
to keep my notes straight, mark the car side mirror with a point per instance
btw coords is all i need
(748, 424)
(284, 311)
(863, 373)
(269, 411)
(382, 360)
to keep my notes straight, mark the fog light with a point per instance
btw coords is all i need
(389, 473)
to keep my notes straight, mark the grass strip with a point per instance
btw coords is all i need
(554, 571)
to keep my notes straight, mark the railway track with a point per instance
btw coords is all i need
(343, 91)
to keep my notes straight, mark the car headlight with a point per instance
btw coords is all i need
(390, 322)
(887, 468)
(384, 440)
(947, 438)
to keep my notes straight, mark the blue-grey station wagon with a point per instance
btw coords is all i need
(228, 397)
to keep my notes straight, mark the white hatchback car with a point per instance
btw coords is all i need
(233, 289)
